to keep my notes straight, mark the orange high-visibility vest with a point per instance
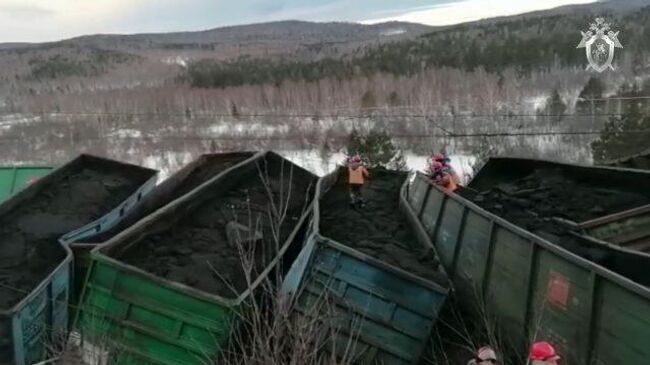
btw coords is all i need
(446, 180)
(452, 186)
(357, 175)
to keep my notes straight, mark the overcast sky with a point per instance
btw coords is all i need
(47, 20)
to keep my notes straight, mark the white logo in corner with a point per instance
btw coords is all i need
(599, 43)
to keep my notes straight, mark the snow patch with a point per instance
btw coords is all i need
(178, 60)
(258, 129)
(536, 102)
(392, 32)
(167, 163)
(126, 133)
(13, 119)
(321, 163)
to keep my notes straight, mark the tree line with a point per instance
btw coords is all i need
(526, 44)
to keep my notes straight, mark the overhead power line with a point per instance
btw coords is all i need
(307, 137)
(191, 115)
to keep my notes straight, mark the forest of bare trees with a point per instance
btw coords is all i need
(127, 100)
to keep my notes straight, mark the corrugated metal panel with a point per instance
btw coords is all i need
(146, 319)
(384, 314)
(536, 287)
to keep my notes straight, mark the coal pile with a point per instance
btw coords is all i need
(378, 230)
(214, 165)
(28, 235)
(547, 193)
(549, 204)
(196, 250)
(210, 166)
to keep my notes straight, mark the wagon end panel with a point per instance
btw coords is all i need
(371, 314)
(147, 321)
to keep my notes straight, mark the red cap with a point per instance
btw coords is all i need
(543, 351)
(356, 158)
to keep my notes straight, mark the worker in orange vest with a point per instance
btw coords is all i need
(357, 174)
(442, 176)
(543, 353)
(484, 356)
(445, 161)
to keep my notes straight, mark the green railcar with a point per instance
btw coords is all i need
(141, 318)
(383, 314)
(537, 289)
(15, 178)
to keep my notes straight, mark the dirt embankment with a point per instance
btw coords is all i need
(29, 250)
(378, 230)
(196, 250)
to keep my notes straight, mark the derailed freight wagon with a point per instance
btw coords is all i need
(375, 308)
(640, 160)
(35, 269)
(536, 288)
(182, 182)
(169, 289)
(628, 230)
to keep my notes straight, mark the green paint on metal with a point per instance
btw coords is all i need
(593, 315)
(431, 212)
(385, 315)
(14, 179)
(149, 319)
(623, 327)
(560, 307)
(472, 250)
(511, 256)
(144, 319)
(417, 194)
(631, 232)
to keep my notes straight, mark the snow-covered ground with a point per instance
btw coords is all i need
(315, 162)
(9, 121)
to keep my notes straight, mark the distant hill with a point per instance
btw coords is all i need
(292, 38)
(538, 41)
(509, 64)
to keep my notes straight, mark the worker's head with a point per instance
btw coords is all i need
(355, 159)
(438, 157)
(486, 356)
(436, 166)
(543, 353)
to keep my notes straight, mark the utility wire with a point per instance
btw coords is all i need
(306, 137)
(191, 115)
